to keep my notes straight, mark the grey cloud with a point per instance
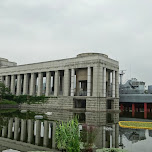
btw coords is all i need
(40, 30)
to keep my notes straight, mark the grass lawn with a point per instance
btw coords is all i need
(136, 124)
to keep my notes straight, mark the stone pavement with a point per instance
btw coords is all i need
(21, 146)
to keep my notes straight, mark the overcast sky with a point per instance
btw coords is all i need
(42, 30)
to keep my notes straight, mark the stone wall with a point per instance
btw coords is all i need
(115, 104)
(96, 118)
(67, 103)
(95, 104)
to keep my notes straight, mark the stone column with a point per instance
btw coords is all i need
(32, 84)
(30, 131)
(4, 131)
(18, 85)
(104, 82)
(72, 82)
(46, 134)
(2, 79)
(113, 84)
(13, 84)
(25, 84)
(53, 130)
(95, 80)
(38, 132)
(117, 84)
(7, 81)
(117, 135)
(10, 125)
(113, 135)
(66, 82)
(40, 84)
(23, 130)
(56, 84)
(48, 83)
(104, 137)
(98, 80)
(99, 137)
(89, 82)
(16, 129)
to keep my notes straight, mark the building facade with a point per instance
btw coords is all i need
(4, 63)
(89, 81)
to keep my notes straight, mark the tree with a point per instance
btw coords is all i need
(4, 91)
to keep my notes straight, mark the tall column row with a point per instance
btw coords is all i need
(47, 83)
(105, 82)
(63, 82)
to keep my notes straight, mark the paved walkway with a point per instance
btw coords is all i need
(6, 143)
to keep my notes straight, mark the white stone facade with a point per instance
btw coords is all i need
(4, 63)
(88, 75)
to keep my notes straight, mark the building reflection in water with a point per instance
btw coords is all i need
(97, 129)
(102, 129)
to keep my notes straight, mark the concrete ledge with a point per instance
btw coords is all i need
(21, 146)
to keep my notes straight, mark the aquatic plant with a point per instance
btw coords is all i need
(67, 136)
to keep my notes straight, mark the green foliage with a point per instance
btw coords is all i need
(3, 122)
(5, 94)
(29, 99)
(67, 136)
(4, 91)
(5, 102)
(6, 111)
(111, 150)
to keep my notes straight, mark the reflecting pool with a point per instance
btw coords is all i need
(33, 130)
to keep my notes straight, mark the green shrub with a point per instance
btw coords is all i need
(111, 150)
(27, 99)
(6, 102)
(4, 91)
(6, 94)
(67, 136)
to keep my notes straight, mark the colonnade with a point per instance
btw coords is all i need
(62, 82)
(30, 131)
(110, 87)
(36, 83)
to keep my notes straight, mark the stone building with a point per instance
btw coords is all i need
(89, 81)
(4, 63)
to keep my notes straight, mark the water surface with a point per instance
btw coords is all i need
(20, 130)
